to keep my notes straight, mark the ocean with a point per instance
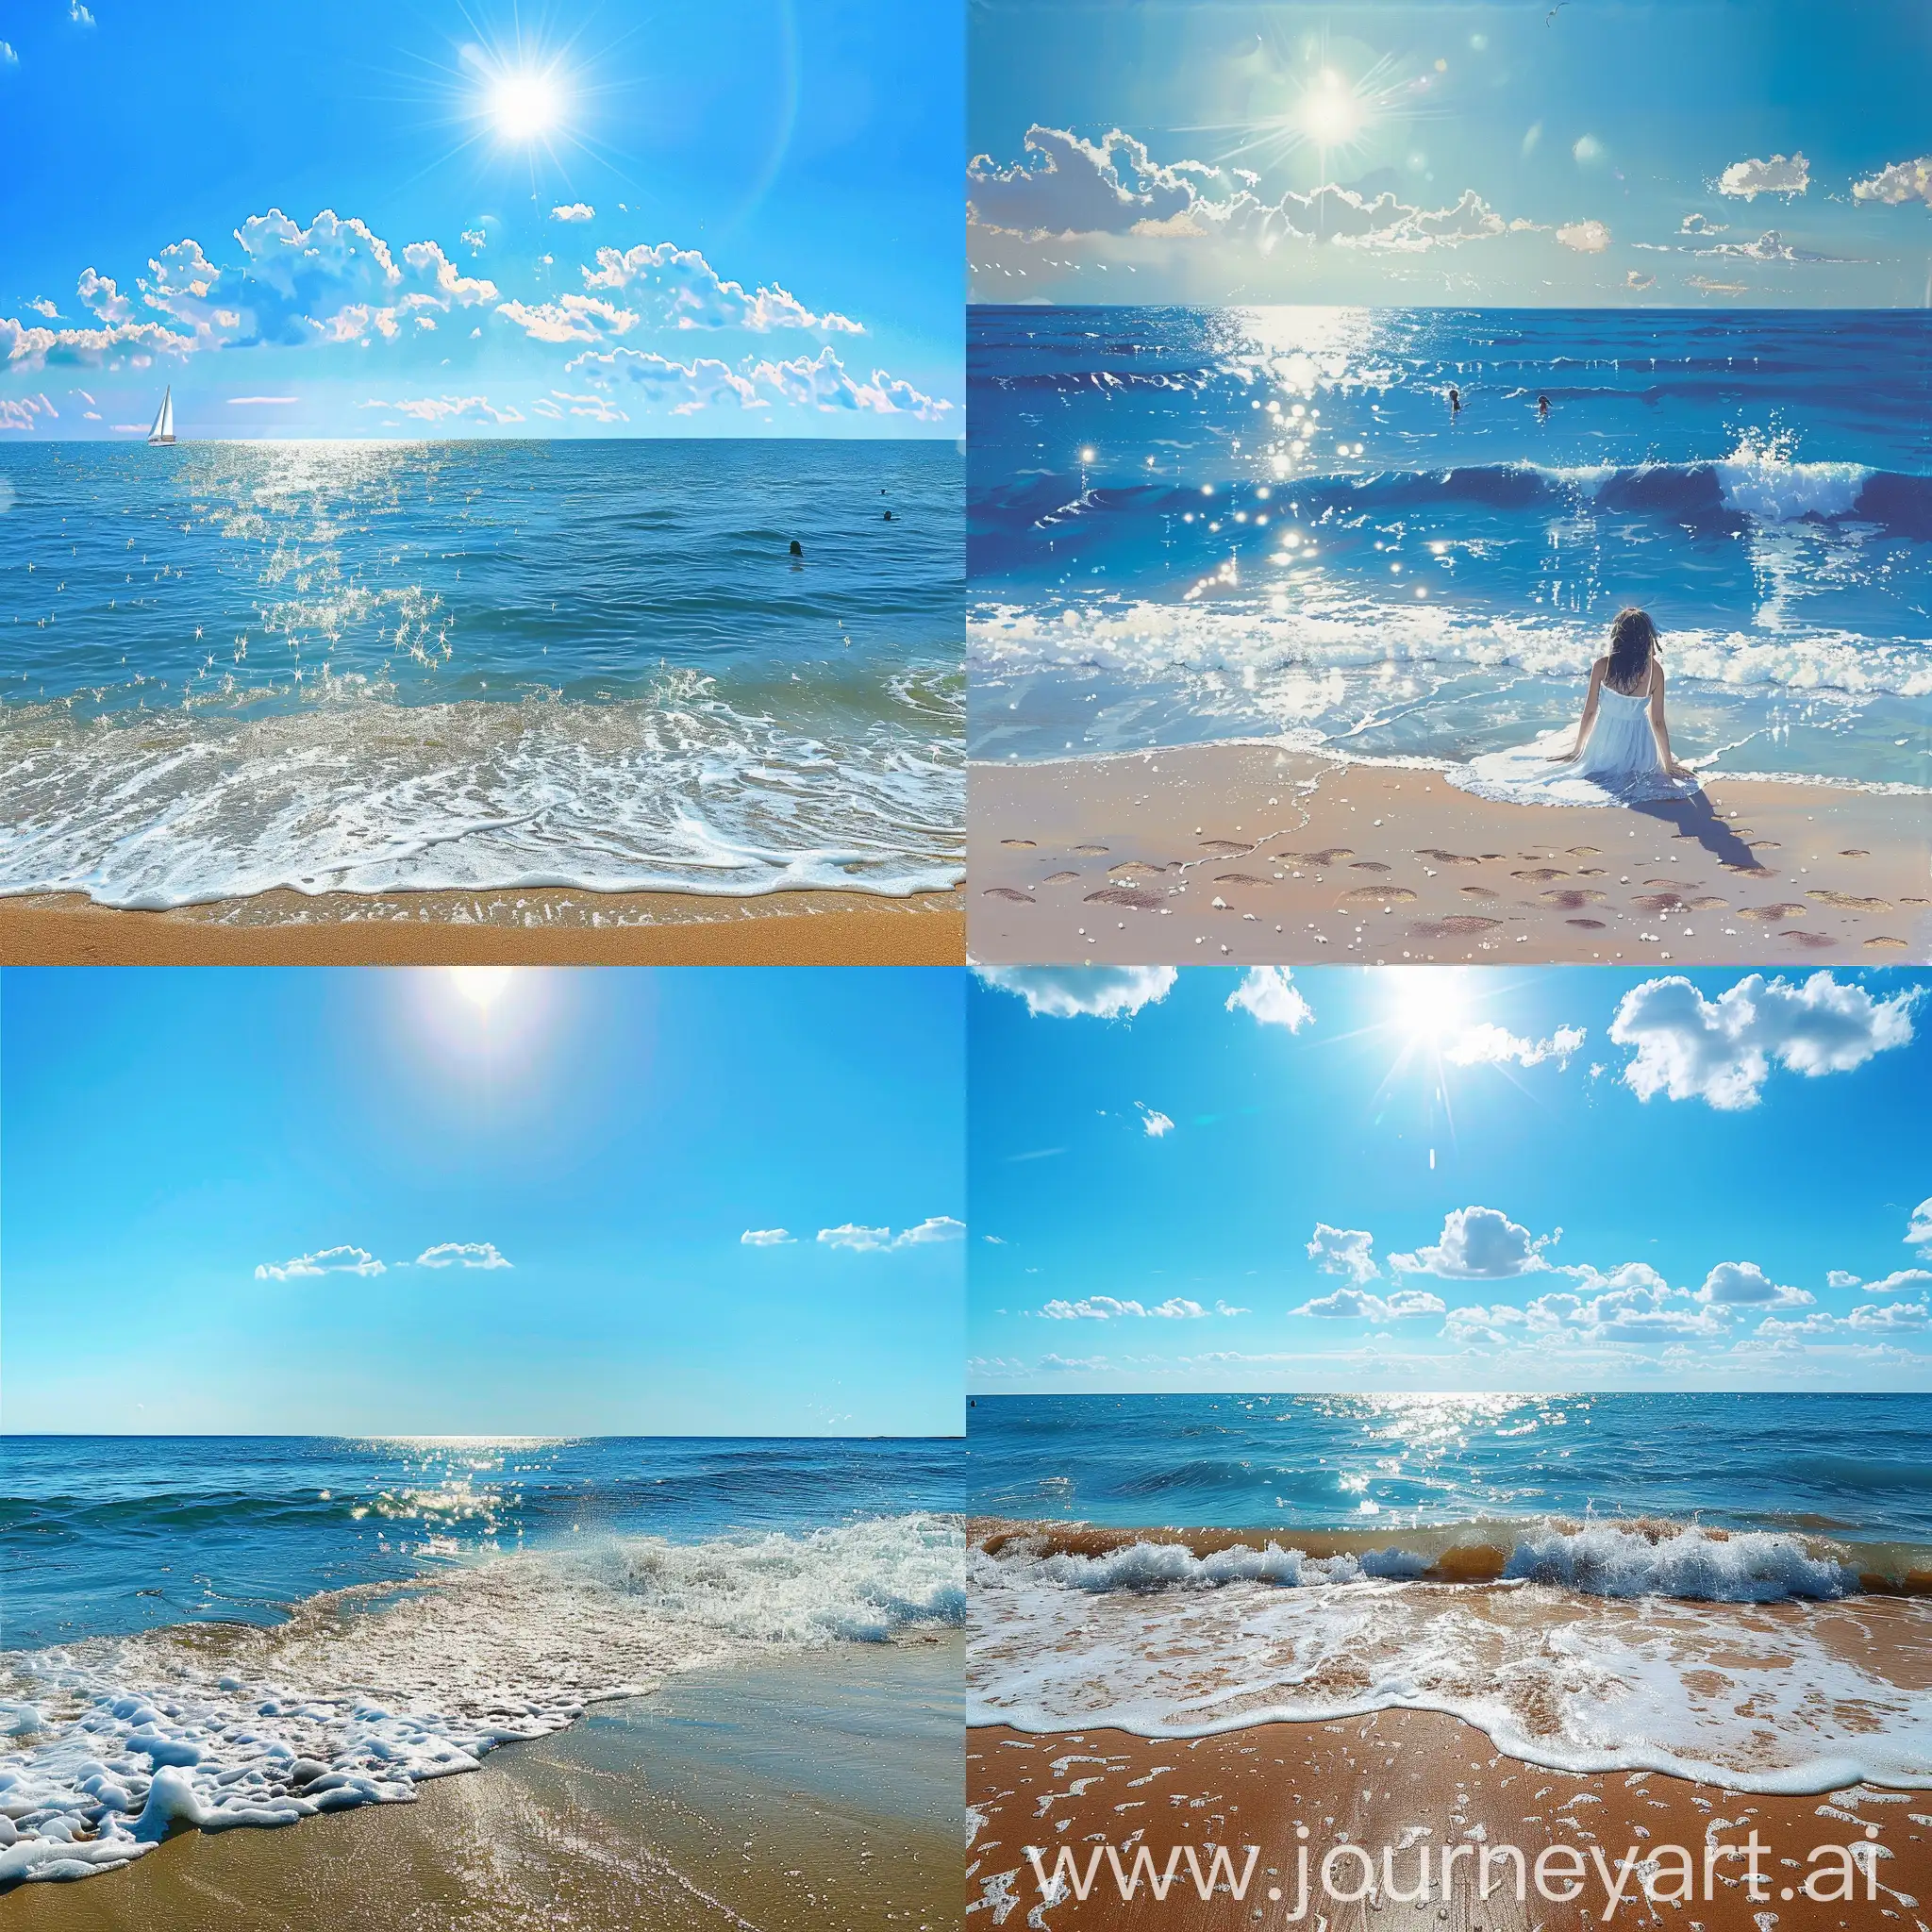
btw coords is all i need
(245, 1631)
(338, 666)
(1191, 525)
(1732, 1587)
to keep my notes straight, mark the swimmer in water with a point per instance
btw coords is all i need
(797, 548)
(1542, 408)
(887, 516)
(1455, 400)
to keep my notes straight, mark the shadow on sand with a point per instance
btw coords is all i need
(1696, 818)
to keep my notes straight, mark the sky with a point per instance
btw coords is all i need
(1431, 1178)
(485, 1200)
(1593, 152)
(440, 219)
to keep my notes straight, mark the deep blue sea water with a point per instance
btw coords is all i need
(228, 666)
(1852, 1467)
(104, 1535)
(1193, 524)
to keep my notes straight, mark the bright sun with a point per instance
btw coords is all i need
(1428, 1000)
(1331, 114)
(482, 986)
(525, 104)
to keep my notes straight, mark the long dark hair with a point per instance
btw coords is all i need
(1633, 644)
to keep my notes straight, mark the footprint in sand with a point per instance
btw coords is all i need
(1237, 878)
(1478, 892)
(1327, 856)
(1377, 895)
(1749, 872)
(1369, 865)
(1770, 915)
(1224, 848)
(1006, 892)
(1444, 858)
(1136, 869)
(1055, 878)
(1916, 902)
(1569, 898)
(1455, 927)
(1845, 902)
(1587, 924)
(1541, 874)
(1885, 940)
(1811, 941)
(1091, 851)
(1584, 851)
(1137, 896)
(1660, 902)
(1854, 852)
(1019, 845)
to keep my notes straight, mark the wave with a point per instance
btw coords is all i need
(365, 1692)
(1765, 1676)
(681, 791)
(1756, 483)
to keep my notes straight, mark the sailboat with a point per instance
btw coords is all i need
(163, 430)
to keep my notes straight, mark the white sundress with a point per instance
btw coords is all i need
(1620, 763)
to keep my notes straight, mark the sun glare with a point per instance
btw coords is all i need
(1427, 1001)
(1331, 114)
(482, 986)
(525, 104)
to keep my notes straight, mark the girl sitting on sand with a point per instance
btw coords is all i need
(1622, 746)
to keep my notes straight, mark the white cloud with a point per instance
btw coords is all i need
(43, 307)
(1769, 246)
(461, 1254)
(1156, 1123)
(448, 408)
(1585, 238)
(1477, 1244)
(8, 56)
(1059, 1365)
(98, 293)
(1700, 225)
(1358, 1304)
(1269, 996)
(1747, 180)
(876, 1240)
(1900, 181)
(1343, 1251)
(1720, 1051)
(820, 382)
(1633, 1303)
(937, 1228)
(1106, 1308)
(676, 288)
(765, 1238)
(568, 319)
(79, 14)
(1899, 1282)
(1489, 1046)
(1744, 1284)
(474, 238)
(1637, 281)
(1097, 993)
(1837, 1277)
(26, 413)
(1920, 1229)
(323, 1261)
(573, 211)
(1068, 186)
(1870, 1317)
(1484, 1324)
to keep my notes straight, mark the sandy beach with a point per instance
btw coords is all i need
(1254, 854)
(552, 927)
(1403, 1779)
(816, 1791)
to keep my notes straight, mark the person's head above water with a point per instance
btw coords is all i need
(1633, 644)
(797, 548)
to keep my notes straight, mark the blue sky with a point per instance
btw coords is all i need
(441, 219)
(1683, 154)
(555, 1170)
(1422, 1177)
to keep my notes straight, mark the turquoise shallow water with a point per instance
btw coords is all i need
(230, 666)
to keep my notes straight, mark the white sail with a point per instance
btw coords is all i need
(163, 430)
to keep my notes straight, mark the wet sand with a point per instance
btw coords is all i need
(818, 1792)
(552, 927)
(1403, 1779)
(1252, 854)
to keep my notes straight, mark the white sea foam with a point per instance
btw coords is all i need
(365, 1692)
(1789, 1695)
(355, 794)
